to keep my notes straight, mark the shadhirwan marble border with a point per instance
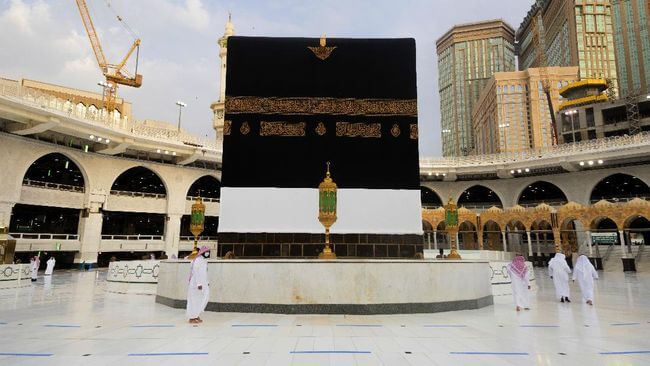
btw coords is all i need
(338, 309)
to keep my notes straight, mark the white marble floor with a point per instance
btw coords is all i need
(74, 321)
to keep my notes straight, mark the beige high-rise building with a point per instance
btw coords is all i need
(468, 55)
(571, 33)
(512, 112)
(631, 19)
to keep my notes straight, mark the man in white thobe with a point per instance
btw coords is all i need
(50, 266)
(559, 271)
(585, 273)
(198, 290)
(34, 263)
(519, 279)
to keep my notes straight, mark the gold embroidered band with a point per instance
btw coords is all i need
(358, 129)
(282, 129)
(322, 105)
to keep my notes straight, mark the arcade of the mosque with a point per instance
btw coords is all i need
(313, 206)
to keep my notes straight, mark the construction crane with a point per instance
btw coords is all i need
(114, 73)
(539, 44)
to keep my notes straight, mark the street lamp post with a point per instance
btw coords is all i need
(104, 86)
(180, 108)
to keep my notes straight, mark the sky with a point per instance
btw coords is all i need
(179, 55)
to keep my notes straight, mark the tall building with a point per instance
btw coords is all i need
(632, 45)
(512, 113)
(219, 107)
(587, 114)
(571, 33)
(468, 55)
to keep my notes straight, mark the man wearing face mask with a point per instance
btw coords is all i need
(198, 291)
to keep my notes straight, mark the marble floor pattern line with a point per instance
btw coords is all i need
(109, 327)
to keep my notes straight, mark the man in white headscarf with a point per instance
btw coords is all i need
(585, 273)
(559, 271)
(198, 290)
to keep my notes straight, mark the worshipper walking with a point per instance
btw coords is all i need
(198, 291)
(34, 262)
(50, 266)
(585, 273)
(559, 271)
(520, 281)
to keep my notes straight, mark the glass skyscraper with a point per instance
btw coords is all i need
(575, 33)
(468, 55)
(632, 44)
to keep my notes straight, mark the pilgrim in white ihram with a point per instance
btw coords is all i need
(50, 266)
(198, 291)
(559, 271)
(585, 273)
(35, 263)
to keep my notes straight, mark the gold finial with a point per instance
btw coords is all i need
(322, 52)
(229, 16)
(328, 169)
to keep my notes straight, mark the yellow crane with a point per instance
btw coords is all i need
(114, 73)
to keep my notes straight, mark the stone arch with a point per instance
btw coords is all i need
(486, 196)
(570, 227)
(426, 226)
(199, 185)
(467, 235)
(629, 220)
(74, 161)
(492, 237)
(617, 183)
(638, 229)
(429, 198)
(597, 221)
(142, 169)
(535, 192)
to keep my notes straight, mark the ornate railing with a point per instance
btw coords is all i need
(589, 146)
(132, 237)
(45, 236)
(115, 192)
(12, 90)
(56, 186)
(201, 238)
(205, 199)
(620, 199)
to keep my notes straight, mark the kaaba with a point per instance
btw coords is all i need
(293, 105)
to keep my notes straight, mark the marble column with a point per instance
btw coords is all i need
(5, 213)
(435, 240)
(505, 241)
(530, 244)
(589, 243)
(90, 237)
(558, 240)
(479, 237)
(538, 245)
(621, 234)
(172, 234)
